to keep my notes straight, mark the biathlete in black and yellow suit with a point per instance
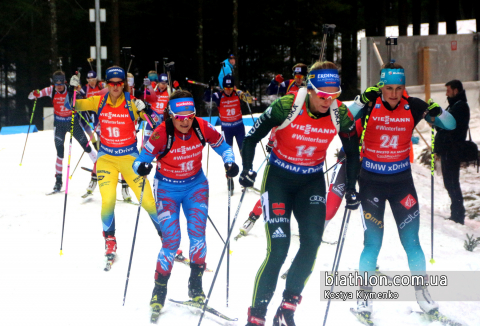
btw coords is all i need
(118, 149)
(306, 121)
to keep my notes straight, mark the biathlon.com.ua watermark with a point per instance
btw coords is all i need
(399, 286)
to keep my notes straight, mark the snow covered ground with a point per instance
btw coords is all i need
(40, 287)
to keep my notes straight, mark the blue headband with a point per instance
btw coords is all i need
(323, 78)
(392, 76)
(115, 72)
(182, 104)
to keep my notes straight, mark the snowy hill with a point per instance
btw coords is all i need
(40, 287)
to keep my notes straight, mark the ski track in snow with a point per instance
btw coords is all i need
(40, 287)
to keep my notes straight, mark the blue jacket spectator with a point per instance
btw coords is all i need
(226, 69)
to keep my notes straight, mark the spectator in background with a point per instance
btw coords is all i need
(226, 69)
(446, 145)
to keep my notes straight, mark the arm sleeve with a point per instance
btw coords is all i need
(273, 116)
(272, 88)
(154, 146)
(445, 120)
(349, 138)
(356, 109)
(89, 104)
(218, 143)
(47, 91)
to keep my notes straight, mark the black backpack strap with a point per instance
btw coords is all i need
(198, 131)
(170, 135)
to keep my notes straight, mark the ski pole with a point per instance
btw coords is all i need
(432, 171)
(134, 238)
(230, 183)
(221, 257)
(88, 143)
(68, 166)
(48, 116)
(253, 120)
(337, 263)
(343, 159)
(31, 119)
(215, 228)
(339, 238)
(264, 160)
(326, 167)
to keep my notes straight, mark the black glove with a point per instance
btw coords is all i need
(269, 146)
(231, 169)
(144, 169)
(370, 94)
(352, 199)
(211, 83)
(434, 110)
(247, 178)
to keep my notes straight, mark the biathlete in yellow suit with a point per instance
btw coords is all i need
(117, 114)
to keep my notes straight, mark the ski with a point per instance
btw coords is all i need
(87, 169)
(200, 306)
(239, 236)
(155, 315)
(54, 192)
(437, 316)
(364, 317)
(88, 193)
(182, 259)
(330, 243)
(110, 260)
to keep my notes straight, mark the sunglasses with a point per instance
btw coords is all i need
(113, 84)
(326, 95)
(228, 88)
(182, 117)
(298, 76)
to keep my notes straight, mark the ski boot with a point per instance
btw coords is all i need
(91, 186)
(125, 192)
(110, 250)
(230, 185)
(195, 290)
(284, 315)
(58, 183)
(158, 295)
(425, 300)
(248, 225)
(253, 317)
(364, 308)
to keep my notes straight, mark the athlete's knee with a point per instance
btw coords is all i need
(278, 250)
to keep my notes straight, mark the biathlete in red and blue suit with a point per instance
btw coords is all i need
(179, 181)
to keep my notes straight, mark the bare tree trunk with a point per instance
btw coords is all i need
(115, 33)
(450, 10)
(433, 17)
(235, 42)
(402, 17)
(53, 29)
(416, 17)
(201, 73)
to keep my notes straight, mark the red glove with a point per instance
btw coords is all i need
(36, 93)
(279, 79)
(175, 84)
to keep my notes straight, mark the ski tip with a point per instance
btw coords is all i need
(432, 261)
